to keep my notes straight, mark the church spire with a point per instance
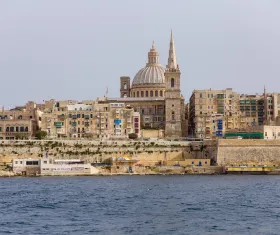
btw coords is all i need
(172, 62)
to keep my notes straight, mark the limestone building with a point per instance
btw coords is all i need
(237, 113)
(89, 119)
(20, 122)
(155, 93)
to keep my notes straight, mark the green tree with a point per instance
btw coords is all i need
(40, 135)
(132, 136)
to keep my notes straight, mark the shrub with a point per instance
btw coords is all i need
(40, 134)
(132, 136)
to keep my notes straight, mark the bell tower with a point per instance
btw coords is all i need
(173, 107)
(125, 87)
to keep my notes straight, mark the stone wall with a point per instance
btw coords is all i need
(249, 152)
(97, 151)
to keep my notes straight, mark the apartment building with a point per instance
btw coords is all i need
(89, 119)
(251, 110)
(21, 122)
(212, 111)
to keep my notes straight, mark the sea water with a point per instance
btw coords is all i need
(223, 204)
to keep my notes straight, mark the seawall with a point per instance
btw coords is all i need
(249, 152)
(100, 151)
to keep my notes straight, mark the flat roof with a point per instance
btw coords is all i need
(137, 99)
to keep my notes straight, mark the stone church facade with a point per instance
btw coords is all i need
(155, 93)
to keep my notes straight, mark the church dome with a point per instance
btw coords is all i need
(153, 73)
(149, 75)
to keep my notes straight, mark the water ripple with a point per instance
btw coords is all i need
(140, 205)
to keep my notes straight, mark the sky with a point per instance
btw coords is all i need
(74, 50)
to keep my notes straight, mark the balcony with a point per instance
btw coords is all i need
(58, 124)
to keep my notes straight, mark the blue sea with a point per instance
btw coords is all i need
(223, 204)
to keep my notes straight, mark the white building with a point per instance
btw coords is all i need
(271, 132)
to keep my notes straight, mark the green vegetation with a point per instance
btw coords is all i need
(40, 135)
(132, 136)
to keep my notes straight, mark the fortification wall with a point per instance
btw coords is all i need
(97, 151)
(250, 152)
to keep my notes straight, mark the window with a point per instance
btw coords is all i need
(83, 115)
(7, 129)
(161, 93)
(205, 162)
(147, 94)
(20, 162)
(142, 93)
(32, 163)
(156, 93)
(137, 93)
(78, 115)
(19, 117)
(265, 133)
(125, 86)
(200, 95)
(21, 129)
(172, 82)
(192, 162)
(12, 129)
(0, 129)
(45, 162)
(26, 129)
(173, 115)
(151, 93)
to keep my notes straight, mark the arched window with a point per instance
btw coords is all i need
(7, 129)
(125, 86)
(173, 115)
(21, 129)
(156, 93)
(12, 129)
(142, 93)
(19, 117)
(134, 94)
(172, 82)
(161, 93)
(151, 93)
(147, 94)
(26, 129)
(137, 93)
